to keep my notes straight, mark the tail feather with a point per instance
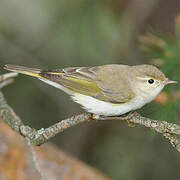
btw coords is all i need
(23, 70)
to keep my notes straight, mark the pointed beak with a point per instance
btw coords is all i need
(171, 82)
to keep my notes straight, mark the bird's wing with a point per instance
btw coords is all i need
(86, 80)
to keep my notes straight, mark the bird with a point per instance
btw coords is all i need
(107, 90)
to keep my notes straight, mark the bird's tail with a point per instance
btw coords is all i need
(23, 70)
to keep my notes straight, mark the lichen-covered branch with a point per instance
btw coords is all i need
(38, 137)
(6, 112)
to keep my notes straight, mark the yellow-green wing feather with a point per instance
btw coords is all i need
(74, 79)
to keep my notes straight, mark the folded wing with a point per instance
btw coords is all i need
(90, 82)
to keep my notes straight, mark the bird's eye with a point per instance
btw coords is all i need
(150, 81)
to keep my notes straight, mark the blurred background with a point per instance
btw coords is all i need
(61, 33)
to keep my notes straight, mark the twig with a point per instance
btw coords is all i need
(34, 158)
(6, 79)
(5, 83)
(37, 137)
(8, 76)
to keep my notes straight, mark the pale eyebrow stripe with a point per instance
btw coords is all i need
(144, 78)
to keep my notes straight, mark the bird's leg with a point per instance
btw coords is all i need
(128, 117)
(125, 117)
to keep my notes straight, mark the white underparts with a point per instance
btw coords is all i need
(99, 107)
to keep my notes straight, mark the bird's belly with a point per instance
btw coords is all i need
(99, 107)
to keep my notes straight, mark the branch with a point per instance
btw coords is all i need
(34, 160)
(37, 137)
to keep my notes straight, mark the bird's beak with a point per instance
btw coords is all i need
(171, 82)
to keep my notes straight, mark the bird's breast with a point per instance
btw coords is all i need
(99, 107)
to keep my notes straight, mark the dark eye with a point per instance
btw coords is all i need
(150, 81)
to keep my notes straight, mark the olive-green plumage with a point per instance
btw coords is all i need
(111, 83)
(108, 90)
